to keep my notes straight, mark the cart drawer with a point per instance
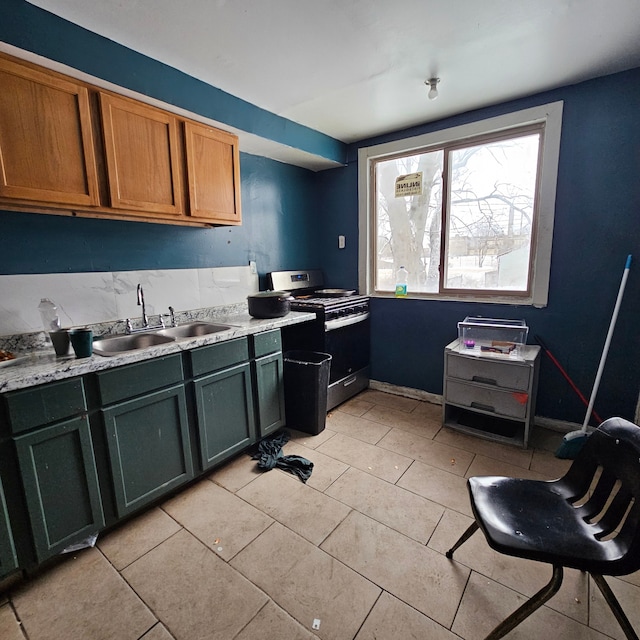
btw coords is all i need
(511, 404)
(506, 375)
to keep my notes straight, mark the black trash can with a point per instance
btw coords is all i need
(306, 381)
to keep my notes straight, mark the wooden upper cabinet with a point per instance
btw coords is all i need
(46, 147)
(142, 154)
(71, 148)
(213, 170)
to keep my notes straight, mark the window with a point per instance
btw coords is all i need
(467, 211)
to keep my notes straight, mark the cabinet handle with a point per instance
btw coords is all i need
(483, 407)
(485, 380)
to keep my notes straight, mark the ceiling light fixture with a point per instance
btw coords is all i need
(433, 87)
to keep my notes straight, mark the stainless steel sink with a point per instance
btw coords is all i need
(193, 330)
(114, 345)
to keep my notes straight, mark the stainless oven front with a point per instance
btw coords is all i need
(346, 339)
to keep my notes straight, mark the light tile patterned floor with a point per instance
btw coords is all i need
(243, 555)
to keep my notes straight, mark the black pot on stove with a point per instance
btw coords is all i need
(269, 304)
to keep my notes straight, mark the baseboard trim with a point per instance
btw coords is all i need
(407, 392)
(417, 394)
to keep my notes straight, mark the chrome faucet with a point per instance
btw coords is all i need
(140, 294)
(145, 318)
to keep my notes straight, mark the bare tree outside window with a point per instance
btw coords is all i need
(488, 217)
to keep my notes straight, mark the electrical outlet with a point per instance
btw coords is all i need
(341, 242)
(253, 267)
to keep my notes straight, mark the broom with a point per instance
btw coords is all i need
(574, 441)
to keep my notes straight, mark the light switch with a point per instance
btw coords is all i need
(341, 242)
(253, 267)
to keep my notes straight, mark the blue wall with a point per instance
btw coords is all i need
(597, 224)
(276, 201)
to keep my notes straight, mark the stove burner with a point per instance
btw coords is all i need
(309, 293)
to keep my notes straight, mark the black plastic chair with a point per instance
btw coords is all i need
(588, 520)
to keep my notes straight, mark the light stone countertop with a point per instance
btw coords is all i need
(42, 366)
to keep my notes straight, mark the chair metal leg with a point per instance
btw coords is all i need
(615, 607)
(463, 538)
(531, 605)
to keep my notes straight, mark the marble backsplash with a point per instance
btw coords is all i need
(106, 299)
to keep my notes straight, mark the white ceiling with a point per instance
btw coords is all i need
(356, 68)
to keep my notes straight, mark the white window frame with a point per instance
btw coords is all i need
(551, 116)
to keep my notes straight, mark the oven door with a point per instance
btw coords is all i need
(347, 340)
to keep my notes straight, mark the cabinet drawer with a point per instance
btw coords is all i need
(45, 404)
(266, 343)
(512, 404)
(507, 375)
(219, 356)
(136, 379)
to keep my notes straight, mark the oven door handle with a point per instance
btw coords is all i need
(332, 325)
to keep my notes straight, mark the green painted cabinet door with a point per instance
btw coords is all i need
(149, 447)
(224, 408)
(8, 557)
(269, 393)
(60, 483)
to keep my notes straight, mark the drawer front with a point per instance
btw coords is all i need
(266, 343)
(506, 375)
(135, 379)
(511, 404)
(45, 404)
(219, 356)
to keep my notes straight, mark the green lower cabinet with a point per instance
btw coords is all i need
(8, 557)
(149, 447)
(270, 393)
(225, 415)
(60, 483)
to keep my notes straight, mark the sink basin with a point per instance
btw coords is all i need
(193, 330)
(114, 345)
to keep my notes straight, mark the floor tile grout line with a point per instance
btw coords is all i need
(19, 621)
(373, 606)
(466, 584)
(131, 587)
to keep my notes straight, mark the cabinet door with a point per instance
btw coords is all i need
(224, 407)
(8, 557)
(213, 168)
(60, 482)
(46, 146)
(270, 393)
(149, 448)
(141, 148)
